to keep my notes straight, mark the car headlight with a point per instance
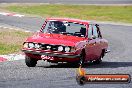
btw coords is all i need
(25, 45)
(60, 48)
(31, 45)
(67, 49)
(37, 46)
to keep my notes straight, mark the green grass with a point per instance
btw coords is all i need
(11, 41)
(87, 12)
(8, 48)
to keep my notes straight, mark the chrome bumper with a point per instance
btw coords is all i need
(52, 54)
(107, 51)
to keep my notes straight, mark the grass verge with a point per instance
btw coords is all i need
(11, 40)
(87, 12)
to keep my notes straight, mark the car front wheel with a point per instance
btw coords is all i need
(30, 62)
(81, 60)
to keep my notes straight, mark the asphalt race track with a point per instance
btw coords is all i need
(15, 74)
(70, 1)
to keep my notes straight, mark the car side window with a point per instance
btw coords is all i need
(90, 31)
(95, 32)
(98, 30)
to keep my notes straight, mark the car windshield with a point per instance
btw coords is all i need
(67, 28)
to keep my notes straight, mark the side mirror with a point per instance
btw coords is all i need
(96, 25)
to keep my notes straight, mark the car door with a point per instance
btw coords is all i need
(90, 45)
(93, 48)
(97, 38)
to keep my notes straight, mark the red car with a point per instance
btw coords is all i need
(65, 40)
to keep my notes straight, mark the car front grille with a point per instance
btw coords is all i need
(52, 47)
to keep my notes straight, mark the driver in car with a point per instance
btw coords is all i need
(58, 27)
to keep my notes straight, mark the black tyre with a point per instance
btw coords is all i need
(82, 59)
(99, 60)
(30, 62)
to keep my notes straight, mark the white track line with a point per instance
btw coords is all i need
(11, 14)
(12, 57)
(18, 15)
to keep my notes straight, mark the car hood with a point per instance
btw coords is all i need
(57, 39)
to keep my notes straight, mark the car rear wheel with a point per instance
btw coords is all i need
(99, 60)
(30, 62)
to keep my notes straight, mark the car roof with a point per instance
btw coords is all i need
(70, 20)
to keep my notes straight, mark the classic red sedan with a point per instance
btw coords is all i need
(65, 40)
